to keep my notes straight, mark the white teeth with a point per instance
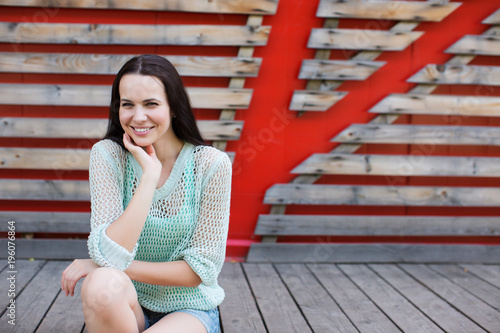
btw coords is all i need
(141, 130)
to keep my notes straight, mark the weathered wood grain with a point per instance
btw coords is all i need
(400, 165)
(387, 10)
(133, 34)
(481, 45)
(260, 7)
(315, 100)
(96, 128)
(68, 63)
(53, 222)
(437, 309)
(372, 253)
(420, 134)
(338, 69)
(56, 249)
(358, 39)
(94, 95)
(478, 311)
(458, 74)
(376, 225)
(303, 194)
(318, 307)
(493, 18)
(403, 313)
(365, 315)
(34, 189)
(476, 106)
(239, 311)
(44, 158)
(489, 273)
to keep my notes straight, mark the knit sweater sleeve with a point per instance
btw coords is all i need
(106, 195)
(207, 248)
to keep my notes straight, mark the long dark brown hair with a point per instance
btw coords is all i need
(184, 123)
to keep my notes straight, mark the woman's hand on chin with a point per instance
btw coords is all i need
(146, 157)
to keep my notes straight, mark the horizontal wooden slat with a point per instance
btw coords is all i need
(134, 34)
(386, 10)
(358, 39)
(68, 63)
(493, 18)
(92, 95)
(371, 195)
(261, 7)
(96, 128)
(458, 74)
(315, 100)
(373, 253)
(48, 248)
(338, 69)
(399, 165)
(482, 45)
(356, 225)
(35, 189)
(439, 104)
(421, 134)
(46, 222)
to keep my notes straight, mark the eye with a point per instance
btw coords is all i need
(151, 104)
(126, 104)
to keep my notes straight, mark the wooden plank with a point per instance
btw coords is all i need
(401, 165)
(359, 39)
(37, 189)
(320, 310)
(476, 106)
(404, 314)
(488, 273)
(260, 7)
(458, 74)
(493, 18)
(65, 315)
(70, 63)
(89, 95)
(313, 69)
(386, 10)
(315, 100)
(481, 45)
(276, 305)
(479, 288)
(133, 34)
(53, 222)
(420, 134)
(372, 253)
(365, 315)
(239, 311)
(305, 194)
(362, 225)
(36, 298)
(478, 311)
(24, 272)
(57, 249)
(444, 315)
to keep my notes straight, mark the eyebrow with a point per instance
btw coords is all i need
(146, 100)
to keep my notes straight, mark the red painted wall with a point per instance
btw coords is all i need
(275, 140)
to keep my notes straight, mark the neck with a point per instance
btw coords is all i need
(168, 149)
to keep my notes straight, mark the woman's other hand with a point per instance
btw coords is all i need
(78, 269)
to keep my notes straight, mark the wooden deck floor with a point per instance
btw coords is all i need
(296, 298)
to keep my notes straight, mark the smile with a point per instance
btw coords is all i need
(141, 130)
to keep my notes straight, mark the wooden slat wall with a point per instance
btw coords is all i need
(343, 160)
(78, 97)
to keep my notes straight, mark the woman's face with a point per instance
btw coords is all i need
(144, 110)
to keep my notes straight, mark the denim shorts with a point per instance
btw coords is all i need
(209, 319)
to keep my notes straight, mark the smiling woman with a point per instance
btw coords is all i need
(160, 211)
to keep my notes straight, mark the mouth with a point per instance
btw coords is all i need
(141, 130)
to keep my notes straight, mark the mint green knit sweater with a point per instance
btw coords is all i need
(188, 220)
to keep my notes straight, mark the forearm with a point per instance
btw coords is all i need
(173, 273)
(127, 228)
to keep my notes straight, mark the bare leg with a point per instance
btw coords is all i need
(110, 302)
(178, 322)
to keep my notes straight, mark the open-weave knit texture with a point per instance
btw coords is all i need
(188, 220)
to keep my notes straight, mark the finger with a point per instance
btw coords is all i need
(150, 150)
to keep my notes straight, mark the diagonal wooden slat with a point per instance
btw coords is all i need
(70, 63)
(387, 10)
(133, 34)
(338, 69)
(358, 39)
(493, 18)
(261, 7)
(480, 45)
(458, 74)
(315, 100)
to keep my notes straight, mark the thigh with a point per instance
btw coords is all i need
(178, 322)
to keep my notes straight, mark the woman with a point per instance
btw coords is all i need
(160, 211)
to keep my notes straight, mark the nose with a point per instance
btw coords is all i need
(140, 115)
